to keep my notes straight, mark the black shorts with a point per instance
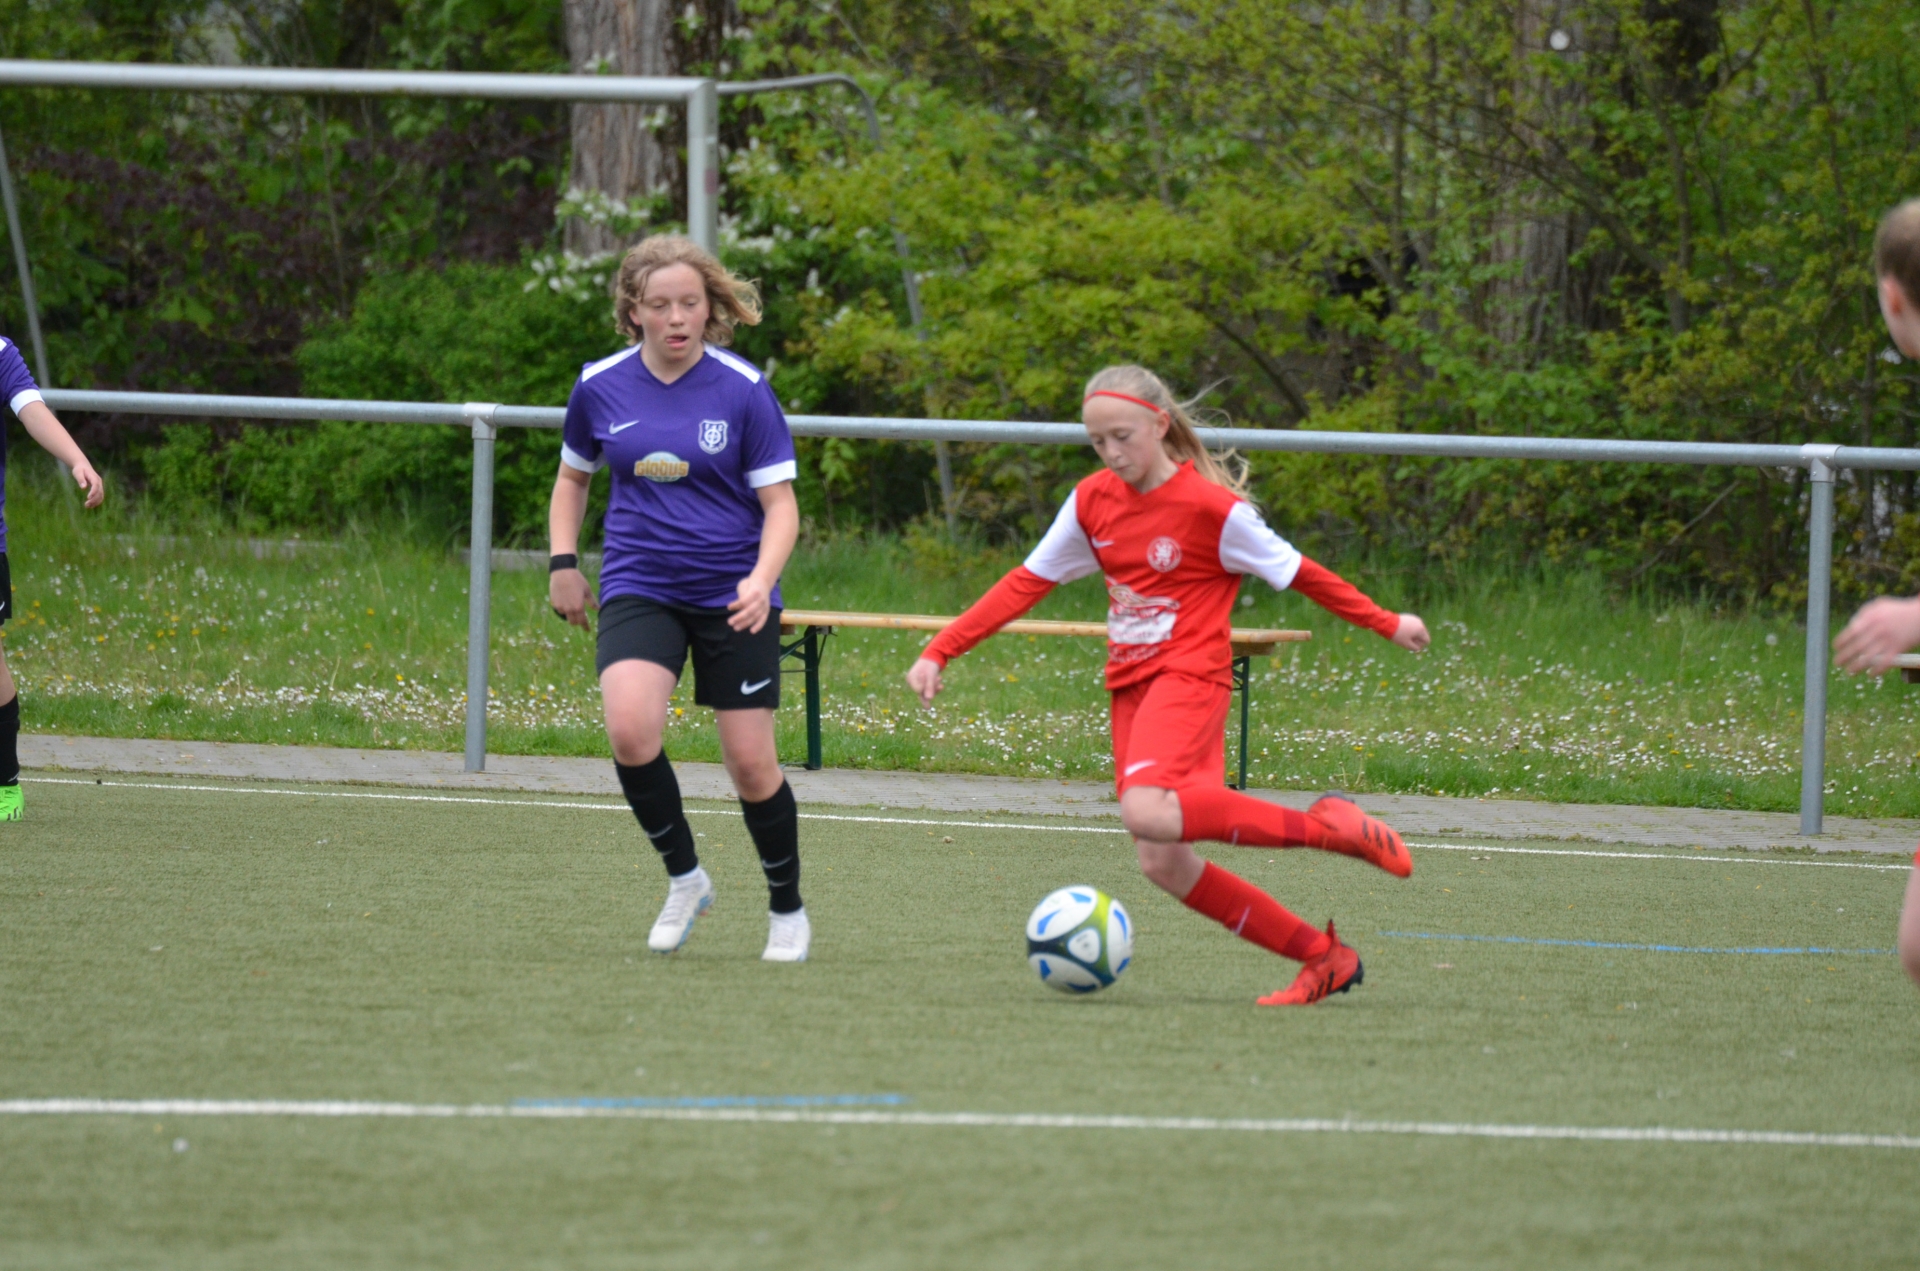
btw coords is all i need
(6, 589)
(732, 670)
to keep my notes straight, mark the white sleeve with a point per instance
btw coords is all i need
(773, 474)
(1249, 546)
(1064, 554)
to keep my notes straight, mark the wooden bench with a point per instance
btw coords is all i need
(1909, 664)
(814, 626)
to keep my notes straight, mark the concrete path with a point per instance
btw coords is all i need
(1416, 816)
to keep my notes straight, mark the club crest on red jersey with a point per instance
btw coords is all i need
(1163, 554)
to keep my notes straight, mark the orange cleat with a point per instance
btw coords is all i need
(1352, 832)
(1335, 971)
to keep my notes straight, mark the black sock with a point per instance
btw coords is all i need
(10, 741)
(654, 795)
(774, 823)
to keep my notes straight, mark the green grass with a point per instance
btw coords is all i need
(1551, 688)
(183, 944)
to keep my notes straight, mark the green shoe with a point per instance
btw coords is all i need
(10, 802)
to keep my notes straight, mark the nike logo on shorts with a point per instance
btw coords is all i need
(1097, 543)
(1135, 767)
(621, 427)
(748, 690)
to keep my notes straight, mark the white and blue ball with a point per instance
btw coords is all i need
(1079, 940)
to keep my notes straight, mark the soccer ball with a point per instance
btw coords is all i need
(1079, 940)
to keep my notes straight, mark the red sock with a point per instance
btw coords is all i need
(1227, 816)
(1251, 914)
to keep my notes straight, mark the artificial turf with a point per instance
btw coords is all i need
(178, 943)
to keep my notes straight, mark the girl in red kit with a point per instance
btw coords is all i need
(1173, 532)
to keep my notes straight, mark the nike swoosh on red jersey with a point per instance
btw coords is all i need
(1135, 767)
(1097, 543)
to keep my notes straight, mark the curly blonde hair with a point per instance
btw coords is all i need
(731, 300)
(1182, 442)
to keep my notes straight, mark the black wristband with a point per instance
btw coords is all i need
(562, 560)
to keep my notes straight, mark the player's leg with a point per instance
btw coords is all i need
(10, 805)
(1909, 939)
(737, 673)
(1334, 824)
(641, 648)
(1159, 728)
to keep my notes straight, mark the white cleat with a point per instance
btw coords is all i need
(788, 936)
(688, 897)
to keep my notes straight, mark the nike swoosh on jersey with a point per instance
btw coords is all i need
(1135, 767)
(747, 689)
(1097, 543)
(621, 427)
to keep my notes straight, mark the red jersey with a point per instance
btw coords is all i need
(1173, 558)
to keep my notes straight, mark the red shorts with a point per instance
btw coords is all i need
(1169, 732)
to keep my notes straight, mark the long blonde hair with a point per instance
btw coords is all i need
(731, 300)
(1182, 443)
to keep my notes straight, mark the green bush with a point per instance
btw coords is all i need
(467, 333)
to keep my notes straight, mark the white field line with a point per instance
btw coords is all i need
(488, 801)
(957, 1120)
(545, 803)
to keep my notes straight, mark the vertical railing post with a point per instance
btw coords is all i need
(1813, 736)
(20, 263)
(479, 581)
(703, 166)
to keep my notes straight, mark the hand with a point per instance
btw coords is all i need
(1879, 633)
(87, 479)
(751, 609)
(570, 596)
(1412, 633)
(923, 677)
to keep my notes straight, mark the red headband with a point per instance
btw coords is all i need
(1125, 397)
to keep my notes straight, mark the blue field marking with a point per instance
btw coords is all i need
(726, 1101)
(1643, 948)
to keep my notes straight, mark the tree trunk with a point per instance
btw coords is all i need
(625, 151)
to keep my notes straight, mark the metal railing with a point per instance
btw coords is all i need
(485, 419)
(701, 97)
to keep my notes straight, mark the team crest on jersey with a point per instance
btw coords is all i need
(662, 465)
(1163, 554)
(713, 435)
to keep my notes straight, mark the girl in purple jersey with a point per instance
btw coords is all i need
(701, 518)
(23, 398)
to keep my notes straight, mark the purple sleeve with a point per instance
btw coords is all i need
(579, 448)
(767, 447)
(16, 381)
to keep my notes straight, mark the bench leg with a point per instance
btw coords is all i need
(810, 659)
(1243, 680)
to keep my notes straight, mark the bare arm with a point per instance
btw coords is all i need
(45, 427)
(778, 533)
(567, 589)
(1879, 633)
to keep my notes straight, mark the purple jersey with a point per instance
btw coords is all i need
(683, 521)
(17, 386)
